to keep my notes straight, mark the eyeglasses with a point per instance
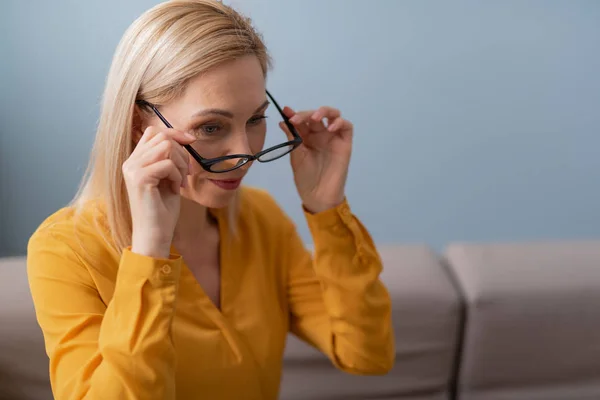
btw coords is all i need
(235, 161)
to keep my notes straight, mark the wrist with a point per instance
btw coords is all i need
(318, 207)
(150, 252)
(151, 248)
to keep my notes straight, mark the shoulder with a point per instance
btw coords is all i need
(70, 236)
(69, 222)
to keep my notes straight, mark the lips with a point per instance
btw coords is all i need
(227, 184)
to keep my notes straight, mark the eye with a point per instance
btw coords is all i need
(208, 129)
(257, 119)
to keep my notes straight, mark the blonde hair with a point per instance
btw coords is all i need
(158, 55)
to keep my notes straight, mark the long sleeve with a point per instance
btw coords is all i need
(122, 350)
(337, 302)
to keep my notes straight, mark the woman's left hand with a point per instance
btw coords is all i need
(321, 163)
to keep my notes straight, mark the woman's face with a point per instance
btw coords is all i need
(224, 109)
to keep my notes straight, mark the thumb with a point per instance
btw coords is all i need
(184, 138)
(286, 130)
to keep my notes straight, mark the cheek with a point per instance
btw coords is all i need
(196, 176)
(256, 141)
(198, 184)
(195, 168)
(205, 193)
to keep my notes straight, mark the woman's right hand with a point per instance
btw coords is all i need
(154, 173)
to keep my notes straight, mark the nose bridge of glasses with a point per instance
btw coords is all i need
(238, 143)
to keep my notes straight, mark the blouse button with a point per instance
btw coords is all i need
(362, 257)
(166, 269)
(346, 211)
(338, 230)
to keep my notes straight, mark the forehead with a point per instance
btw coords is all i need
(233, 84)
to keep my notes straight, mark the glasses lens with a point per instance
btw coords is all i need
(275, 153)
(274, 137)
(228, 165)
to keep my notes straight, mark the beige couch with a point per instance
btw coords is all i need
(480, 322)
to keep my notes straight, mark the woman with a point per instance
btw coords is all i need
(165, 279)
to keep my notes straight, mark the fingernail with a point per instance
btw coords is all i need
(189, 136)
(295, 118)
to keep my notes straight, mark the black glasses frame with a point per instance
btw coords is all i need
(208, 163)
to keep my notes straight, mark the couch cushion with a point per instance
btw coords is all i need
(23, 361)
(533, 320)
(426, 318)
(425, 312)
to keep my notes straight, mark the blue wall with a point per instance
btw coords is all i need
(474, 120)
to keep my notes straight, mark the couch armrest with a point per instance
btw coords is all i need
(533, 320)
(426, 316)
(23, 361)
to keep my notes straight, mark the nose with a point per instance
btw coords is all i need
(240, 144)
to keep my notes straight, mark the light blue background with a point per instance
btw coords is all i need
(474, 120)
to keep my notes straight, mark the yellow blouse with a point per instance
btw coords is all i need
(133, 327)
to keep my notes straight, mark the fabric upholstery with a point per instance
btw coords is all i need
(425, 307)
(426, 321)
(533, 320)
(23, 361)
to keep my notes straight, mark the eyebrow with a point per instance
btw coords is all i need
(225, 113)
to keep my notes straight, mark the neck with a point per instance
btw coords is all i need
(194, 221)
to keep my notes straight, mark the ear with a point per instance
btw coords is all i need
(137, 125)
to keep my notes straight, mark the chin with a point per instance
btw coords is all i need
(211, 194)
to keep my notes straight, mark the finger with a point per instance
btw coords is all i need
(286, 130)
(329, 113)
(307, 117)
(161, 153)
(316, 126)
(157, 139)
(164, 145)
(148, 135)
(288, 112)
(336, 125)
(304, 124)
(181, 159)
(301, 127)
(166, 149)
(174, 151)
(154, 135)
(164, 169)
(301, 116)
(342, 126)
